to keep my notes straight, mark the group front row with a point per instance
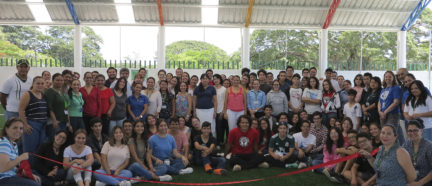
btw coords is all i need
(155, 156)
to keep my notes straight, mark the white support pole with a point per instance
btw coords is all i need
(161, 48)
(323, 52)
(401, 49)
(245, 48)
(77, 59)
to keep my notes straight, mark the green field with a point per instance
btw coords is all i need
(306, 178)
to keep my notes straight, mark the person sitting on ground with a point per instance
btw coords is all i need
(243, 144)
(304, 143)
(78, 155)
(204, 153)
(181, 139)
(95, 141)
(362, 172)
(281, 149)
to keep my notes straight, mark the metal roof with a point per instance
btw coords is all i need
(381, 14)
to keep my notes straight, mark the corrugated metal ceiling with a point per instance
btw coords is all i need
(278, 13)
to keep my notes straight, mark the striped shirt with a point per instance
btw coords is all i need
(37, 109)
(12, 152)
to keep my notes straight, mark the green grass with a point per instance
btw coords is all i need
(306, 178)
(1, 116)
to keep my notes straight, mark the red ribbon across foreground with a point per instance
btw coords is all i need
(220, 183)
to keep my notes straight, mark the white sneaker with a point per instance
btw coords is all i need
(165, 177)
(188, 170)
(136, 178)
(236, 168)
(98, 183)
(125, 183)
(302, 165)
(264, 165)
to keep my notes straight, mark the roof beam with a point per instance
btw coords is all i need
(72, 11)
(249, 13)
(415, 14)
(331, 12)
(161, 20)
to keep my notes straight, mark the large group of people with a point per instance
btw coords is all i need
(151, 128)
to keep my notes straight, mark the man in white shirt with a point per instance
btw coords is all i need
(14, 88)
(124, 72)
(328, 75)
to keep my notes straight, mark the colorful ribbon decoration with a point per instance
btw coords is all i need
(220, 183)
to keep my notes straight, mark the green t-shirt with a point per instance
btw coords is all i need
(75, 105)
(281, 146)
(56, 103)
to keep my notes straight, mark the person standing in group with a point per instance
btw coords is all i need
(294, 96)
(277, 99)
(353, 109)
(154, 96)
(79, 155)
(235, 103)
(92, 100)
(33, 111)
(112, 76)
(183, 105)
(56, 101)
(75, 106)
(256, 100)
(14, 88)
(221, 122)
(312, 96)
(137, 104)
(330, 102)
(419, 105)
(167, 111)
(369, 101)
(115, 159)
(124, 73)
(205, 102)
(107, 102)
(359, 87)
(9, 158)
(119, 112)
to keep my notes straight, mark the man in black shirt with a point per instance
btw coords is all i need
(362, 172)
(96, 141)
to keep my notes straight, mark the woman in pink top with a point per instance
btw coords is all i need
(92, 100)
(358, 86)
(334, 140)
(235, 103)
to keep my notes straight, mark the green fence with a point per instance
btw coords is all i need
(203, 64)
(281, 65)
(39, 62)
(150, 64)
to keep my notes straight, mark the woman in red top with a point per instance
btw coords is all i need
(243, 144)
(92, 100)
(235, 103)
(264, 136)
(347, 125)
(107, 102)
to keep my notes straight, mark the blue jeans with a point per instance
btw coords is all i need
(316, 160)
(174, 168)
(77, 123)
(32, 141)
(15, 180)
(113, 123)
(50, 131)
(326, 118)
(218, 162)
(427, 134)
(9, 115)
(112, 180)
(400, 137)
(138, 170)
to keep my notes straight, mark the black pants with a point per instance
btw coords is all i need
(277, 163)
(87, 119)
(221, 128)
(105, 124)
(247, 161)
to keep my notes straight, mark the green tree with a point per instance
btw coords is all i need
(195, 51)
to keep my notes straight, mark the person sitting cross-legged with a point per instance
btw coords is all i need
(281, 148)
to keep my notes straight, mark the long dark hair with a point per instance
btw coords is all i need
(331, 88)
(116, 87)
(200, 86)
(329, 142)
(317, 83)
(70, 88)
(266, 132)
(423, 95)
(362, 82)
(377, 80)
(143, 135)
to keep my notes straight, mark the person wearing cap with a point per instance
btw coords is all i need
(14, 88)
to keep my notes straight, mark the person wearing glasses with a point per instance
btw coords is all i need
(420, 151)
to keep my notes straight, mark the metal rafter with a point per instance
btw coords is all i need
(331, 12)
(161, 20)
(72, 11)
(249, 13)
(415, 14)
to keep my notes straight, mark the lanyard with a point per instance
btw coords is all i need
(414, 156)
(384, 155)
